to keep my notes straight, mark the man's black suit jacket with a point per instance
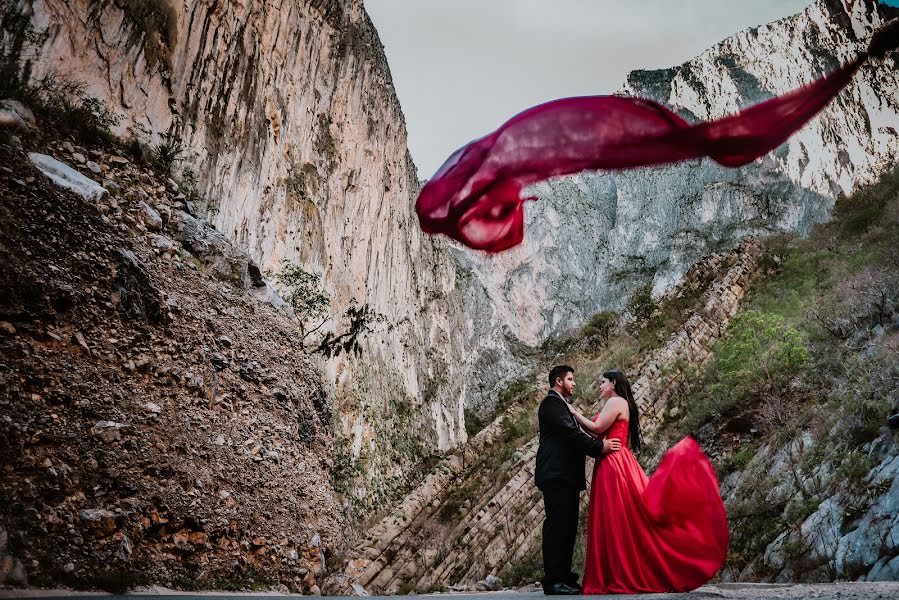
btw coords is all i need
(563, 446)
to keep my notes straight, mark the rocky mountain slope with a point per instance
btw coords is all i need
(483, 497)
(808, 465)
(593, 239)
(780, 358)
(162, 422)
(158, 422)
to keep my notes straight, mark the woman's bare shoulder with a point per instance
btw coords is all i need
(617, 401)
(619, 404)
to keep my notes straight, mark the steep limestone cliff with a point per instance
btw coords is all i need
(287, 114)
(593, 239)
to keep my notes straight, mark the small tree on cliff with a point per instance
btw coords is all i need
(302, 291)
(359, 321)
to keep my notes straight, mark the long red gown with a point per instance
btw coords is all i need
(667, 533)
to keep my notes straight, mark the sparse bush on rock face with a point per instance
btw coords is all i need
(641, 308)
(167, 152)
(760, 348)
(601, 327)
(302, 290)
(64, 108)
(61, 104)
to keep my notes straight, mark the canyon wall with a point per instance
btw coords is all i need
(287, 116)
(593, 238)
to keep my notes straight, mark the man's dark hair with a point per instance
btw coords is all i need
(558, 372)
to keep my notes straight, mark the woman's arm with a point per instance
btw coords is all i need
(584, 422)
(613, 409)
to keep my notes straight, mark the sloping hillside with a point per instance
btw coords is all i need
(158, 421)
(795, 400)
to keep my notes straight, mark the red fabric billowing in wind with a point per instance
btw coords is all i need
(475, 197)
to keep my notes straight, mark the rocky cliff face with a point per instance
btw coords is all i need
(593, 239)
(483, 496)
(287, 114)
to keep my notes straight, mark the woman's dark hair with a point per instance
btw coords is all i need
(558, 372)
(623, 389)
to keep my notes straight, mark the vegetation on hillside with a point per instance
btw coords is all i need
(812, 356)
(810, 365)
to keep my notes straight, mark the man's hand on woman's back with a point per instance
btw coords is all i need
(611, 445)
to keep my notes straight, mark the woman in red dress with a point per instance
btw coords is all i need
(667, 533)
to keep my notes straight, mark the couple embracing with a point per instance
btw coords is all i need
(667, 533)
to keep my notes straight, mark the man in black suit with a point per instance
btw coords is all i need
(560, 476)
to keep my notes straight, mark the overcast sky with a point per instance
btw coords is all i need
(462, 67)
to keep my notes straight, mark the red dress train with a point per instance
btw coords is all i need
(667, 533)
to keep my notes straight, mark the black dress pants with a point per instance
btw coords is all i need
(562, 504)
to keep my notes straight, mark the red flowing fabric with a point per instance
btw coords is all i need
(475, 197)
(667, 533)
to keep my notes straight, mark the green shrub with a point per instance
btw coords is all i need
(167, 152)
(458, 498)
(526, 570)
(517, 427)
(641, 307)
(738, 461)
(759, 351)
(759, 348)
(65, 109)
(302, 291)
(473, 422)
(856, 214)
(854, 469)
(600, 328)
(801, 276)
(517, 390)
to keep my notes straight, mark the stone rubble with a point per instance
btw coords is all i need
(135, 447)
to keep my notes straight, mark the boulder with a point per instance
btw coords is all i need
(66, 177)
(269, 295)
(358, 590)
(149, 216)
(12, 571)
(11, 120)
(213, 249)
(134, 292)
(489, 584)
(162, 243)
(19, 109)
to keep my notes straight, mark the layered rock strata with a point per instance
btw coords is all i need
(423, 546)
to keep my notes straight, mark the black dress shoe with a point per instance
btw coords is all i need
(561, 589)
